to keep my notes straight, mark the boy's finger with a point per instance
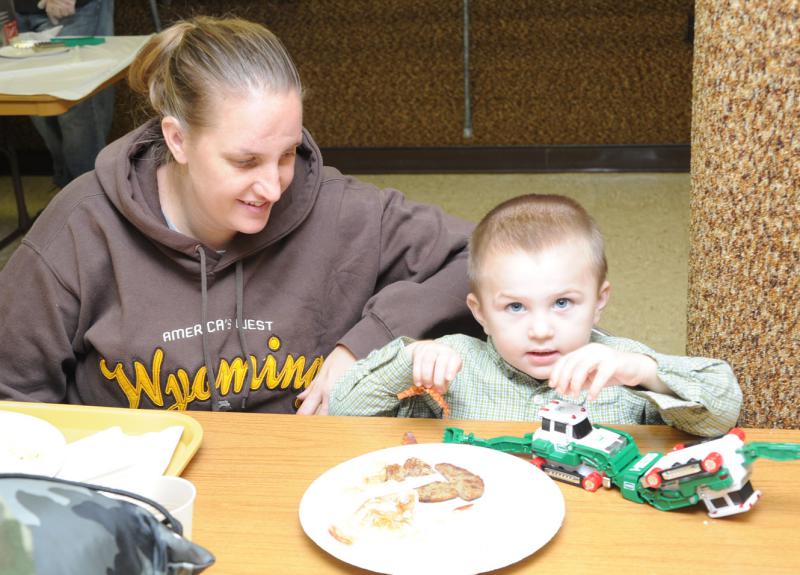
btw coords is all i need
(419, 367)
(580, 376)
(428, 365)
(565, 375)
(453, 367)
(555, 373)
(604, 373)
(440, 373)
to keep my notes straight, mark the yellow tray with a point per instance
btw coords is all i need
(77, 421)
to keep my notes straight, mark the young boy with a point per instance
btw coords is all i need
(538, 286)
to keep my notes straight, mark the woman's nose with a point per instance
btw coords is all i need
(268, 184)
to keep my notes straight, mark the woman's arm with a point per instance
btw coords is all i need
(37, 314)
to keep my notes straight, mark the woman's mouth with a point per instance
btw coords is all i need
(256, 208)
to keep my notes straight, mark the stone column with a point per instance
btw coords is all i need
(744, 265)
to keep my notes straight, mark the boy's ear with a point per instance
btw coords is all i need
(475, 307)
(602, 300)
(175, 138)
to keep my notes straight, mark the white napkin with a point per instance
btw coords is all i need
(28, 39)
(115, 459)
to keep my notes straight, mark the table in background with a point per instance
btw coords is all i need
(252, 469)
(51, 85)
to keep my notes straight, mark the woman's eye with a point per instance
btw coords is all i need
(515, 307)
(562, 303)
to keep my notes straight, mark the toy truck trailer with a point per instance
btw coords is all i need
(718, 471)
(567, 447)
(570, 449)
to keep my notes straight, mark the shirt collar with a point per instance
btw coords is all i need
(508, 369)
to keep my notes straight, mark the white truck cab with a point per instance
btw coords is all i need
(707, 458)
(565, 423)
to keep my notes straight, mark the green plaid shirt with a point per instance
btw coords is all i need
(706, 399)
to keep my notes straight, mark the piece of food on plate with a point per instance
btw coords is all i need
(415, 467)
(394, 472)
(437, 491)
(390, 513)
(468, 485)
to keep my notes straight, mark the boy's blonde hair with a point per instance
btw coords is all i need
(533, 223)
(189, 66)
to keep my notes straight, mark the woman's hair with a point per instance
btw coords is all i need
(533, 223)
(189, 66)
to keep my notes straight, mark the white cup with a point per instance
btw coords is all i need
(176, 494)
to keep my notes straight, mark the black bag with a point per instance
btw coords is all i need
(52, 526)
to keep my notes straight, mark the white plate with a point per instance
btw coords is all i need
(30, 445)
(520, 511)
(13, 52)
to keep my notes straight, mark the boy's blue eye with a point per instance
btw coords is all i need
(515, 307)
(562, 303)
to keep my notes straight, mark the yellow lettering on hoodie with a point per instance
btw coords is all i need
(292, 370)
(227, 371)
(150, 385)
(185, 389)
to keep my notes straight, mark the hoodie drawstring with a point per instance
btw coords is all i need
(240, 326)
(218, 404)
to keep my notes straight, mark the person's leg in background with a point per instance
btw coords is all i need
(76, 137)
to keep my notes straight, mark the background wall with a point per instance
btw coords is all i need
(744, 285)
(390, 73)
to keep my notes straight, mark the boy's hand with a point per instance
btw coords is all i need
(434, 364)
(595, 366)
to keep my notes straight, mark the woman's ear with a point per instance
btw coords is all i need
(602, 299)
(475, 307)
(175, 138)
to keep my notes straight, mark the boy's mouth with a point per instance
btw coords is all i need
(545, 357)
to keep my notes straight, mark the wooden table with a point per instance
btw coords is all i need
(252, 470)
(47, 104)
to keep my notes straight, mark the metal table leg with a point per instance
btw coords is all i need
(156, 17)
(23, 219)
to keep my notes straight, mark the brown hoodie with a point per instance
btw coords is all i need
(103, 304)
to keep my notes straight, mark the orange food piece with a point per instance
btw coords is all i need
(409, 438)
(437, 397)
(339, 536)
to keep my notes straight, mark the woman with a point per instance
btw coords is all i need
(211, 261)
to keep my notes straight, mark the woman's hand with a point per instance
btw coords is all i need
(315, 397)
(595, 366)
(434, 364)
(57, 9)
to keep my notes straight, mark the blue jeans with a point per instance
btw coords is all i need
(75, 137)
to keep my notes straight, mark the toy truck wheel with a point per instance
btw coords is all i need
(712, 462)
(538, 462)
(592, 482)
(738, 432)
(653, 478)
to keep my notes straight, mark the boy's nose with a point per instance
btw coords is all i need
(540, 328)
